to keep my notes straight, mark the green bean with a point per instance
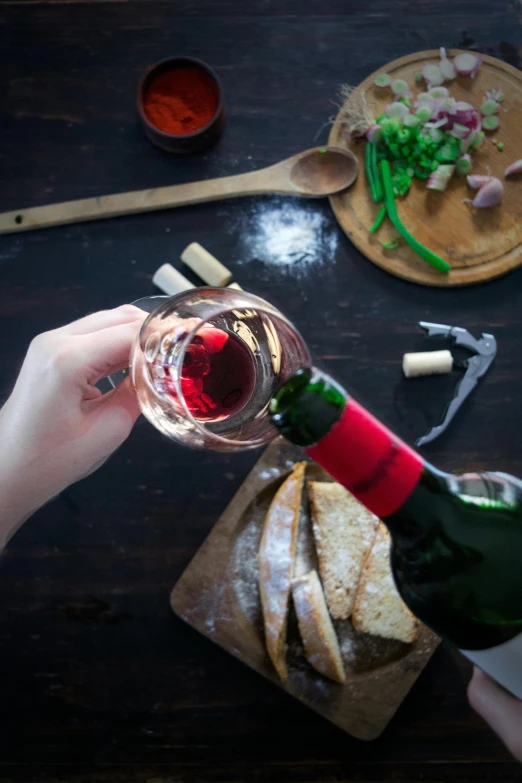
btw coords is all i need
(379, 193)
(368, 159)
(379, 219)
(389, 200)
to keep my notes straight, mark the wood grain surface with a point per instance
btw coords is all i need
(479, 244)
(100, 681)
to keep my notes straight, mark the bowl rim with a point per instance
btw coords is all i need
(173, 62)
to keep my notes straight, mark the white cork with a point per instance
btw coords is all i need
(235, 286)
(203, 263)
(170, 280)
(427, 363)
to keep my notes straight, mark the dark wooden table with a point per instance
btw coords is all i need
(99, 681)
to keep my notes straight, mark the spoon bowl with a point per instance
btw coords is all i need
(324, 171)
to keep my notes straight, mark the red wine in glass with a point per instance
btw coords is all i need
(217, 376)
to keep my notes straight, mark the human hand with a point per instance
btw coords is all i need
(57, 426)
(499, 708)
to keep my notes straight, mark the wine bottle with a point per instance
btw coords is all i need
(456, 551)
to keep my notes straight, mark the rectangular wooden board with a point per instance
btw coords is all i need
(218, 595)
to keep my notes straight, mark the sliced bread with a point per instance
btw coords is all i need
(316, 628)
(276, 564)
(343, 531)
(379, 609)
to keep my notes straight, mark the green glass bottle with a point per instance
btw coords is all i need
(456, 540)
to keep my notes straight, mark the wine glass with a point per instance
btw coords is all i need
(207, 362)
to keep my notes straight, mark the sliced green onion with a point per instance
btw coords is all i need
(411, 121)
(399, 87)
(390, 244)
(491, 122)
(418, 247)
(489, 107)
(447, 153)
(418, 77)
(397, 110)
(423, 113)
(383, 80)
(500, 146)
(478, 140)
(439, 92)
(464, 165)
(378, 221)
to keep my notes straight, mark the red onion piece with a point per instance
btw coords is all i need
(515, 168)
(467, 64)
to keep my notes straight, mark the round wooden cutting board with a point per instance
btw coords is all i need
(479, 244)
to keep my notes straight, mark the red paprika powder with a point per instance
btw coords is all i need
(182, 100)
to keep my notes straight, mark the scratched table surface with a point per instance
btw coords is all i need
(100, 682)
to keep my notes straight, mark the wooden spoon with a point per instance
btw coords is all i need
(318, 172)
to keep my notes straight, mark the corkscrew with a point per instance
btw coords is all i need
(484, 350)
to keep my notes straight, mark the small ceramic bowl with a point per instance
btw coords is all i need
(187, 142)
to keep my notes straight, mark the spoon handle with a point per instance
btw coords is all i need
(262, 181)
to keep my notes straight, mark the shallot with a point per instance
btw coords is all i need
(514, 168)
(467, 64)
(477, 181)
(489, 194)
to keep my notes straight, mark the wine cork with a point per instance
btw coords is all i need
(170, 280)
(203, 263)
(235, 286)
(427, 363)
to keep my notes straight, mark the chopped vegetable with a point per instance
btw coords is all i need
(464, 165)
(432, 75)
(489, 107)
(418, 77)
(423, 113)
(411, 120)
(379, 193)
(500, 146)
(425, 97)
(447, 68)
(440, 177)
(374, 134)
(418, 247)
(514, 168)
(383, 80)
(490, 123)
(378, 221)
(467, 64)
(397, 109)
(490, 194)
(495, 95)
(400, 87)
(439, 92)
(391, 244)
(478, 140)
(477, 181)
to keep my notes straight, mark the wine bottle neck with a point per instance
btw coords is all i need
(359, 452)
